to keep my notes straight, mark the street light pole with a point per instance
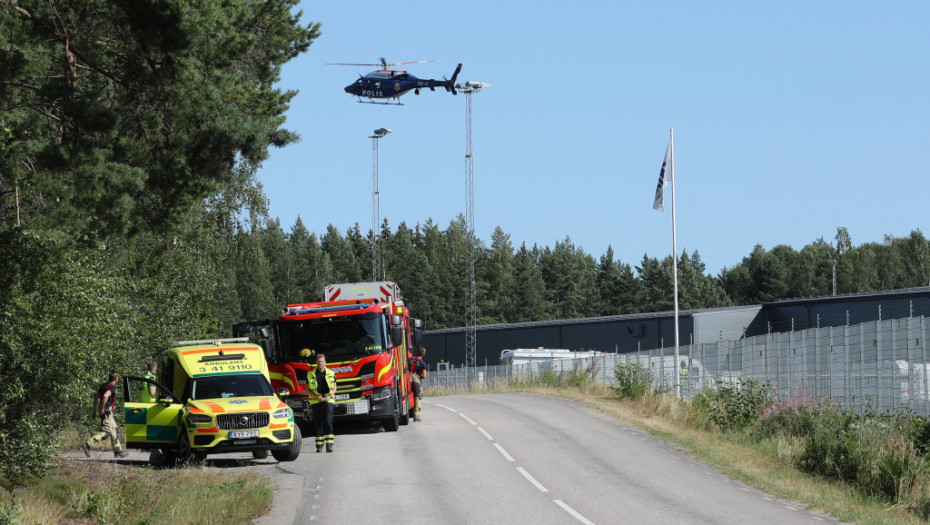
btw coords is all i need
(471, 308)
(375, 205)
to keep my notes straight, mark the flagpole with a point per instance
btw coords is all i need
(674, 261)
(666, 175)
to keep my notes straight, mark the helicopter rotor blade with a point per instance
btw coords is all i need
(384, 64)
(413, 62)
(450, 84)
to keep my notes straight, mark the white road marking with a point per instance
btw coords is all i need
(573, 512)
(503, 452)
(532, 480)
(450, 409)
(466, 418)
(485, 432)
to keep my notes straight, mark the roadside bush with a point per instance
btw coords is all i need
(735, 407)
(829, 449)
(877, 454)
(9, 514)
(919, 432)
(794, 419)
(865, 452)
(634, 380)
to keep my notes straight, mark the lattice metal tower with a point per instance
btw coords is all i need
(375, 206)
(471, 307)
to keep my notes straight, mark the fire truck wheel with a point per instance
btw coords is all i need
(405, 412)
(391, 424)
(291, 453)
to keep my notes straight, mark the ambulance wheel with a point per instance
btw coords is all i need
(292, 452)
(260, 454)
(186, 454)
(169, 457)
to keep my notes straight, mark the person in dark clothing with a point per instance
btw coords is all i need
(104, 404)
(417, 374)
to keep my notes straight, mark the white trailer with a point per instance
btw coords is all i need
(519, 356)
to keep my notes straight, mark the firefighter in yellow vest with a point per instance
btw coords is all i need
(684, 378)
(322, 386)
(148, 392)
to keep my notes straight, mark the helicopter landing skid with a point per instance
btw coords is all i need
(398, 103)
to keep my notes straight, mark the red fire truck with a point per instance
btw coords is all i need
(366, 333)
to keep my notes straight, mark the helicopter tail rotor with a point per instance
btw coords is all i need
(450, 84)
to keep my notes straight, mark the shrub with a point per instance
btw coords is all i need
(9, 513)
(634, 380)
(919, 432)
(828, 451)
(792, 418)
(735, 407)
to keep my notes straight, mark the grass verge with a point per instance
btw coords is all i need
(80, 492)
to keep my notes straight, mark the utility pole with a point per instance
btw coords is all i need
(376, 206)
(471, 308)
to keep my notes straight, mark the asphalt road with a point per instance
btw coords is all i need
(512, 459)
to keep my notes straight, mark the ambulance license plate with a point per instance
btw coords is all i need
(239, 434)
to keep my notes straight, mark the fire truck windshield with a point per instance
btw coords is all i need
(338, 337)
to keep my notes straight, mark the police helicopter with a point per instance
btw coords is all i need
(384, 85)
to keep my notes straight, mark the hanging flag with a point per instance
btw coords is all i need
(665, 174)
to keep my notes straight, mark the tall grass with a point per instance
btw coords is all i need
(880, 455)
(113, 493)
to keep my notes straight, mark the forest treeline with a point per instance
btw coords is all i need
(535, 283)
(131, 215)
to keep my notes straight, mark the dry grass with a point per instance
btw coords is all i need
(103, 492)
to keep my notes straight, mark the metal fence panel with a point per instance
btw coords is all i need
(877, 365)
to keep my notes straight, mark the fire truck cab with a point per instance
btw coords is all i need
(366, 333)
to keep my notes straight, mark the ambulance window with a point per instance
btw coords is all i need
(221, 387)
(167, 375)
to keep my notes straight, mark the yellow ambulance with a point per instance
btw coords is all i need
(213, 396)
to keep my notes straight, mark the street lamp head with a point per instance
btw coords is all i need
(472, 85)
(380, 132)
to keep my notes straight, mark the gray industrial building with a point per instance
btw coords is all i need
(641, 332)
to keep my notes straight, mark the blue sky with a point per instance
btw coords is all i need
(791, 119)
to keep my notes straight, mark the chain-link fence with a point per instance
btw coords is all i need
(878, 365)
